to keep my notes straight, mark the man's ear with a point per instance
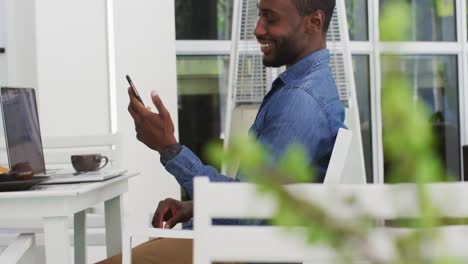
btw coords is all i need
(314, 22)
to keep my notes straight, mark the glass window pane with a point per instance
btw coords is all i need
(202, 86)
(434, 81)
(203, 20)
(431, 20)
(362, 79)
(357, 19)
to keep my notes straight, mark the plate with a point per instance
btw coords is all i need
(10, 186)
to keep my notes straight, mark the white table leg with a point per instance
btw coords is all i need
(80, 237)
(127, 249)
(57, 240)
(113, 226)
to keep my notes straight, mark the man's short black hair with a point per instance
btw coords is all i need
(306, 7)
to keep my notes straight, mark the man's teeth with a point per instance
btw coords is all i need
(265, 45)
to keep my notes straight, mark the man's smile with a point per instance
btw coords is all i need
(266, 46)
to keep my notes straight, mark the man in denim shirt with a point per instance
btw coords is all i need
(303, 107)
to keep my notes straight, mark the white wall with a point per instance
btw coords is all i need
(3, 78)
(3, 69)
(72, 67)
(145, 49)
(2, 23)
(20, 43)
(61, 48)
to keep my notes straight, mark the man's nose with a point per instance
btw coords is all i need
(259, 29)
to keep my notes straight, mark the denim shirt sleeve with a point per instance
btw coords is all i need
(305, 124)
(186, 165)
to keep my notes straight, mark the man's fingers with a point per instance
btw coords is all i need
(136, 117)
(137, 105)
(174, 220)
(159, 104)
(158, 218)
(155, 221)
(138, 111)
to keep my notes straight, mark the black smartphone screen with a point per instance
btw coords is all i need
(135, 92)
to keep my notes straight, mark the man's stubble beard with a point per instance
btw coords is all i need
(280, 59)
(284, 55)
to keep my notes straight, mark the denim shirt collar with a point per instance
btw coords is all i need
(305, 66)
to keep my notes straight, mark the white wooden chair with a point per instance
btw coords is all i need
(332, 177)
(273, 244)
(57, 152)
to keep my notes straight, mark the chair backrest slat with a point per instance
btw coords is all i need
(271, 243)
(338, 157)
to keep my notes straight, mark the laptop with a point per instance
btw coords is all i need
(24, 142)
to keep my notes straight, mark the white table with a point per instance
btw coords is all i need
(55, 203)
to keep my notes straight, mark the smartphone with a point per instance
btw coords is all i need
(135, 92)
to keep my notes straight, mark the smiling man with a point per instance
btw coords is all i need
(302, 107)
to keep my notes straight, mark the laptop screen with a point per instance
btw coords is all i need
(22, 131)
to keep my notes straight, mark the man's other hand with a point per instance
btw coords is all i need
(172, 212)
(155, 130)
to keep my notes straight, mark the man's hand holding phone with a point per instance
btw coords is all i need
(155, 130)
